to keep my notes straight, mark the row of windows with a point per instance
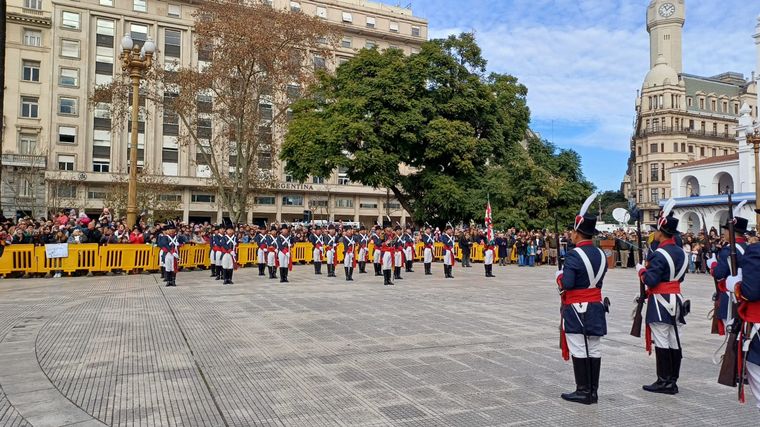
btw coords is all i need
(682, 148)
(657, 102)
(348, 18)
(30, 106)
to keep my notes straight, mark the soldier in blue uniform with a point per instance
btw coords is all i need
(318, 242)
(169, 243)
(214, 244)
(720, 268)
(399, 255)
(228, 247)
(583, 321)
(408, 240)
(362, 240)
(377, 255)
(746, 287)
(331, 250)
(349, 253)
(428, 242)
(261, 250)
(270, 242)
(284, 256)
(449, 259)
(665, 270)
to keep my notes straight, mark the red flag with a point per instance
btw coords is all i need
(489, 223)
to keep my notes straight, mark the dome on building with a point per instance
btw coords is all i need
(662, 74)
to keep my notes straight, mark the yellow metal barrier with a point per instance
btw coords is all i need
(247, 253)
(82, 257)
(126, 257)
(18, 259)
(302, 252)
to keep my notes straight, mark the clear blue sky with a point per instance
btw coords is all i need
(583, 61)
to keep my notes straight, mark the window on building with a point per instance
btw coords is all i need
(653, 148)
(266, 112)
(70, 48)
(725, 106)
(319, 62)
(139, 33)
(203, 128)
(67, 135)
(346, 42)
(170, 161)
(101, 138)
(714, 105)
(638, 149)
(392, 205)
(370, 44)
(108, 3)
(96, 194)
(393, 26)
(140, 5)
(714, 152)
(295, 6)
(265, 161)
(641, 174)
(32, 38)
(691, 149)
(370, 22)
(347, 17)
(317, 180)
(725, 129)
(174, 10)
(203, 198)
(367, 205)
(703, 126)
(172, 43)
(344, 203)
(292, 200)
(30, 107)
(67, 106)
(655, 196)
(70, 20)
(318, 203)
(66, 162)
(662, 170)
(691, 124)
(683, 147)
(654, 176)
(322, 12)
(27, 144)
(675, 147)
(33, 4)
(66, 191)
(101, 165)
(736, 108)
(702, 151)
(264, 200)
(69, 77)
(343, 176)
(701, 103)
(416, 31)
(31, 71)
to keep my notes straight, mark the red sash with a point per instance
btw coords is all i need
(350, 249)
(328, 248)
(575, 296)
(749, 311)
(453, 258)
(286, 250)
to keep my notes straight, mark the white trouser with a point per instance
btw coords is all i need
(362, 254)
(488, 257)
(316, 256)
(448, 257)
(348, 259)
(284, 259)
(398, 259)
(218, 257)
(664, 336)
(409, 252)
(228, 262)
(261, 256)
(753, 374)
(577, 346)
(377, 256)
(270, 259)
(387, 261)
(212, 257)
(427, 255)
(331, 257)
(169, 262)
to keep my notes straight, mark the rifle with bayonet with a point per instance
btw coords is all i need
(728, 370)
(715, 329)
(642, 298)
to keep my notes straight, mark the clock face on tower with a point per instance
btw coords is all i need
(667, 10)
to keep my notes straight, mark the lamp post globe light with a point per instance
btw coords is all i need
(135, 60)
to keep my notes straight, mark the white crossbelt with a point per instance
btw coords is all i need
(594, 279)
(670, 304)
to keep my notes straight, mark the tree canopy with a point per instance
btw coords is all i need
(437, 130)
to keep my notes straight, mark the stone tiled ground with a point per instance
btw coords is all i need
(126, 351)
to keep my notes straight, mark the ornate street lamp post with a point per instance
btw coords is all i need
(754, 139)
(134, 61)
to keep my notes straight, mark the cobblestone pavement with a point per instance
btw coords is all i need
(126, 351)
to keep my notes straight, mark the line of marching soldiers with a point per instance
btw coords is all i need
(737, 300)
(393, 249)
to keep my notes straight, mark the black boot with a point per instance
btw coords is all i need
(283, 275)
(318, 268)
(345, 271)
(331, 270)
(387, 276)
(272, 272)
(362, 267)
(675, 369)
(219, 271)
(350, 273)
(596, 367)
(409, 267)
(397, 273)
(262, 267)
(582, 393)
(213, 270)
(229, 277)
(489, 271)
(427, 269)
(378, 269)
(662, 385)
(168, 278)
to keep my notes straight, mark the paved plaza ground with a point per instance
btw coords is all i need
(126, 351)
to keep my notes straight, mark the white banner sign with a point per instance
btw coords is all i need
(58, 250)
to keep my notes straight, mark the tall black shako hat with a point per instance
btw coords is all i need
(741, 224)
(584, 223)
(667, 223)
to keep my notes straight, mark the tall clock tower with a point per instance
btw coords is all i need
(665, 19)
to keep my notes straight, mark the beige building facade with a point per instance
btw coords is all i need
(59, 152)
(680, 118)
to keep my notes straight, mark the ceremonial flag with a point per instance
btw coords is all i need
(489, 223)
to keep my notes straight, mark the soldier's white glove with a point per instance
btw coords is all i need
(732, 281)
(712, 262)
(640, 269)
(558, 277)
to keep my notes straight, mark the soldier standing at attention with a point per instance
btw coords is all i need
(228, 248)
(448, 252)
(408, 240)
(331, 244)
(261, 250)
(363, 241)
(427, 253)
(665, 270)
(318, 241)
(583, 312)
(489, 248)
(284, 256)
(388, 250)
(169, 243)
(349, 253)
(271, 244)
(377, 253)
(399, 255)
